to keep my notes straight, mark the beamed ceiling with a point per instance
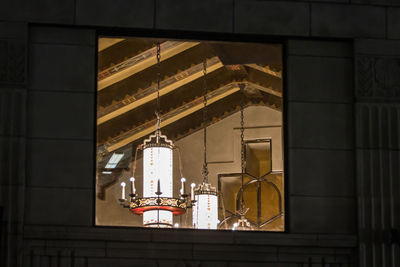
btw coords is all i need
(127, 87)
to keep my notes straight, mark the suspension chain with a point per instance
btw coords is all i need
(158, 112)
(205, 167)
(243, 163)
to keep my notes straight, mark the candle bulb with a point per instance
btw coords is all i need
(192, 191)
(158, 186)
(133, 189)
(123, 190)
(183, 181)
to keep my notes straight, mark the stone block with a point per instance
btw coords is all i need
(319, 48)
(13, 58)
(378, 126)
(263, 264)
(62, 35)
(60, 163)
(306, 250)
(234, 253)
(120, 234)
(214, 264)
(180, 263)
(193, 236)
(75, 244)
(393, 23)
(322, 215)
(320, 79)
(306, 254)
(324, 126)
(45, 11)
(272, 18)
(59, 206)
(321, 172)
(113, 262)
(61, 115)
(305, 258)
(12, 160)
(377, 78)
(377, 47)
(119, 13)
(13, 112)
(338, 241)
(275, 239)
(13, 207)
(149, 250)
(13, 30)
(377, 2)
(347, 21)
(192, 15)
(62, 68)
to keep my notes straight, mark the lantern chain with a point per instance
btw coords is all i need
(158, 112)
(205, 167)
(243, 163)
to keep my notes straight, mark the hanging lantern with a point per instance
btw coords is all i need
(242, 223)
(157, 206)
(157, 177)
(205, 212)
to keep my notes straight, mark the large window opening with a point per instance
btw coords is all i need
(189, 134)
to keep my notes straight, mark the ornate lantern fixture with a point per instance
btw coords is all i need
(242, 223)
(205, 212)
(157, 206)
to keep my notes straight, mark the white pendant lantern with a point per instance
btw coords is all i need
(205, 212)
(157, 166)
(157, 205)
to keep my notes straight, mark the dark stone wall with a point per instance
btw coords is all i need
(342, 97)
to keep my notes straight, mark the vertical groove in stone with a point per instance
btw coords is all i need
(12, 169)
(378, 182)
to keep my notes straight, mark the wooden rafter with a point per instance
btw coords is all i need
(105, 43)
(181, 112)
(171, 117)
(269, 90)
(150, 93)
(140, 62)
(265, 70)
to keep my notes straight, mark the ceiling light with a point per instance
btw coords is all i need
(114, 160)
(157, 204)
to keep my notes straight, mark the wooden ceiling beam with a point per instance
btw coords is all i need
(171, 117)
(181, 112)
(269, 90)
(105, 43)
(140, 62)
(150, 93)
(266, 70)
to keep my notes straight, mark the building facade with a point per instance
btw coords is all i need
(342, 132)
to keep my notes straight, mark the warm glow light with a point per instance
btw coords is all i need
(192, 186)
(157, 165)
(123, 184)
(205, 212)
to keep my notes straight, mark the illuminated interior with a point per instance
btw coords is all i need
(154, 89)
